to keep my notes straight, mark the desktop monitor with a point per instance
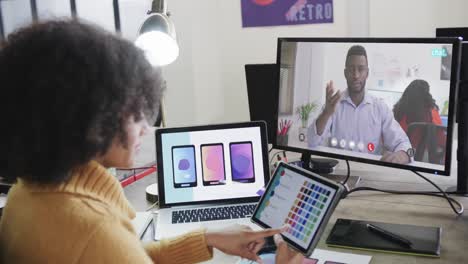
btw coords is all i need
(381, 101)
(262, 90)
(458, 32)
(462, 109)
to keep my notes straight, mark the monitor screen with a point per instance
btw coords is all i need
(262, 91)
(212, 163)
(381, 101)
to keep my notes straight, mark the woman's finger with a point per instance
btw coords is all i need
(258, 245)
(268, 232)
(278, 240)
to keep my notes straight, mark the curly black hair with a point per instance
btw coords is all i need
(416, 103)
(67, 89)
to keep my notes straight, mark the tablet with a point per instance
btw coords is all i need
(303, 200)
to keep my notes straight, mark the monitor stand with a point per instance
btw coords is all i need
(324, 167)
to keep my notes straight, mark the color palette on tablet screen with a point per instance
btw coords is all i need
(306, 211)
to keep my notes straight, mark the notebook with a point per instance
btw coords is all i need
(209, 176)
(347, 233)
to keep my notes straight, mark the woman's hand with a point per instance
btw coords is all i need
(284, 254)
(240, 240)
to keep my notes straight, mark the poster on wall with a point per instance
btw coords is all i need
(260, 13)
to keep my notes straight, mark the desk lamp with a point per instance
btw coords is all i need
(157, 36)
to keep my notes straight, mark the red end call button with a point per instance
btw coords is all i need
(370, 147)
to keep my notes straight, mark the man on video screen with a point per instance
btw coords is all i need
(355, 120)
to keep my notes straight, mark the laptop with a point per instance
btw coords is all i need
(209, 175)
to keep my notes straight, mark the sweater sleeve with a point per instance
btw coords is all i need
(188, 248)
(112, 243)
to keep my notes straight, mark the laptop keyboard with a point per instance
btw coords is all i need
(213, 213)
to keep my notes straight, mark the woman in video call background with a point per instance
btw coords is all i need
(417, 105)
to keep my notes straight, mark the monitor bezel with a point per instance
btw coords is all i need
(160, 169)
(454, 79)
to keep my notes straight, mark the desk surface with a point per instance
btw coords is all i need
(403, 209)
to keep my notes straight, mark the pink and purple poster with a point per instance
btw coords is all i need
(259, 13)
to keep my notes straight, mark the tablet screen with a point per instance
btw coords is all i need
(297, 198)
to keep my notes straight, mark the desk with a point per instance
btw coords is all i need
(415, 210)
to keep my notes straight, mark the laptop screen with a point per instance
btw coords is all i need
(218, 163)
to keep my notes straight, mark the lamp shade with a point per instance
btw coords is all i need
(157, 38)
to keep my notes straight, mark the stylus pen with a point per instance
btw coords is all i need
(148, 224)
(389, 235)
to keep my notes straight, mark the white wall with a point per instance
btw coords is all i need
(207, 82)
(49, 9)
(209, 74)
(415, 18)
(99, 12)
(15, 13)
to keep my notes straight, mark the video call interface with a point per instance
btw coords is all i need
(378, 101)
(303, 214)
(209, 164)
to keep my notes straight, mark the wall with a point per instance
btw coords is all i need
(209, 74)
(208, 79)
(415, 18)
(207, 82)
(15, 14)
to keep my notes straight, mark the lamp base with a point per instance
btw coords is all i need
(152, 193)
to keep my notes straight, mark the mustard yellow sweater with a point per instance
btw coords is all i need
(85, 220)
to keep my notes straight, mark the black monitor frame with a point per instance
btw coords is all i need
(259, 95)
(461, 111)
(456, 52)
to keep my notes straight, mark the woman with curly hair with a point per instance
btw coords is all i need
(75, 101)
(416, 105)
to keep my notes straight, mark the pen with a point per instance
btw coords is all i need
(389, 235)
(148, 224)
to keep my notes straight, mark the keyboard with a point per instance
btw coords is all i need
(213, 213)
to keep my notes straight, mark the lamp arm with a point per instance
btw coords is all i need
(158, 6)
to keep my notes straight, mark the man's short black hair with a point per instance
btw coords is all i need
(357, 50)
(67, 90)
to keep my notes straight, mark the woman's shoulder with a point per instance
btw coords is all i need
(62, 206)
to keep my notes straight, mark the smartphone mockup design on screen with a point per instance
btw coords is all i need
(213, 167)
(242, 164)
(183, 166)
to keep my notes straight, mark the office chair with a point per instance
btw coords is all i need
(428, 143)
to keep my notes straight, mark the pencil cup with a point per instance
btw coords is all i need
(302, 134)
(282, 140)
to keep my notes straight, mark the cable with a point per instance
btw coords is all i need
(138, 168)
(343, 183)
(270, 149)
(348, 174)
(152, 206)
(429, 193)
(449, 200)
(435, 194)
(440, 193)
(274, 156)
